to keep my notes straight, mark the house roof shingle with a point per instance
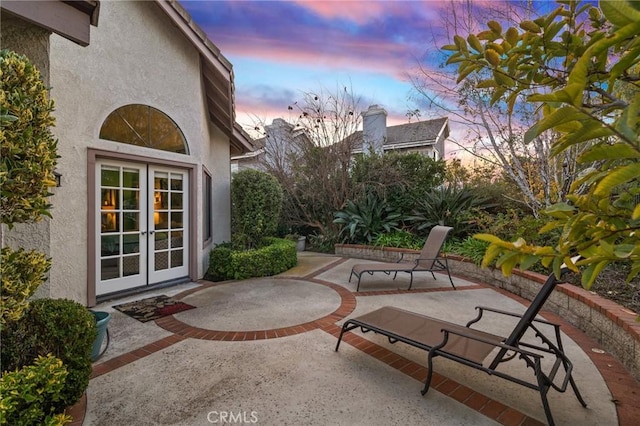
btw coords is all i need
(420, 133)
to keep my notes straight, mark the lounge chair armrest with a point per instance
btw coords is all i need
(447, 331)
(512, 314)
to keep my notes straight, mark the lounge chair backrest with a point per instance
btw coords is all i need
(529, 315)
(433, 245)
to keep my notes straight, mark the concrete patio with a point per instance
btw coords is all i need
(262, 351)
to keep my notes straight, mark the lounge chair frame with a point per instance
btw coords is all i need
(429, 260)
(471, 347)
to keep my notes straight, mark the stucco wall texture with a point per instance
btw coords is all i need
(138, 56)
(33, 42)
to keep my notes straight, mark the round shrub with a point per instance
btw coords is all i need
(256, 201)
(60, 327)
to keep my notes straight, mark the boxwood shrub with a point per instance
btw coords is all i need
(61, 327)
(276, 255)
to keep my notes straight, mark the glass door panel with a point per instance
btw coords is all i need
(120, 226)
(169, 200)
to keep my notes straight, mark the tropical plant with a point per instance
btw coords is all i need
(361, 221)
(580, 64)
(448, 206)
(256, 202)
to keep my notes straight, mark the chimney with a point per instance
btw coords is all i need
(374, 129)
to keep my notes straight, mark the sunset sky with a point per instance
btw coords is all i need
(280, 49)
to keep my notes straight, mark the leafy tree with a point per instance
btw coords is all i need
(401, 179)
(310, 155)
(494, 129)
(580, 66)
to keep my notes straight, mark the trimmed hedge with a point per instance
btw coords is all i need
(61, 327)
(275, 256)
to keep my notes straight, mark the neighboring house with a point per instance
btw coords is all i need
(283, 139)
(424, 137)
(146, 127)
(280, 142)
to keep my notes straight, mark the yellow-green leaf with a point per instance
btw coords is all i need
(617, 177)
(495, 27)
(492, 57)
(512, 36)
(609, 152)
(530, 26)
(620, 13)
(474, 42)
(590, 274)
(559, 116)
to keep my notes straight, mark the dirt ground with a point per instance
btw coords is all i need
(611, 284)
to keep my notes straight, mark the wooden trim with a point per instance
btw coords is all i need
(91, 229)
(56, 16)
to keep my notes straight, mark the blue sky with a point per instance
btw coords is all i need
(280, 49)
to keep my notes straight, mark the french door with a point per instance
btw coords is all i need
(142, 225)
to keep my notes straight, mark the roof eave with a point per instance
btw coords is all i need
(69, 19)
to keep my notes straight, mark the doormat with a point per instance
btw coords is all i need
(153, 308)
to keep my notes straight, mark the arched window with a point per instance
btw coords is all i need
(143, 125)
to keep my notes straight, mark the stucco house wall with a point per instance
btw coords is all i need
(136, 56)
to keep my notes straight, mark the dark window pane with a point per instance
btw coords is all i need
(131, 179)
(109, 269)
(162, 240)
(176, 239)
(131, 243)
(131, 222)
(162, 260)
(130, 265)
(110, 177)
(130, 200)
(176, 184)
(176, 258)
(176, 200)
(109, 245)
(176, 220)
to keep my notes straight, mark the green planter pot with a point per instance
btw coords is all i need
(102, 319)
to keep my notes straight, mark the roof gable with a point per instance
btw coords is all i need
(217, 77)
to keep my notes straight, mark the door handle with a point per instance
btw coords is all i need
(151, 232)
(143, 232)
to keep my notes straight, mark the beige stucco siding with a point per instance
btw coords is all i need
(138, 56)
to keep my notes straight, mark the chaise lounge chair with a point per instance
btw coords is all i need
(429, 260)
(472, 347)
